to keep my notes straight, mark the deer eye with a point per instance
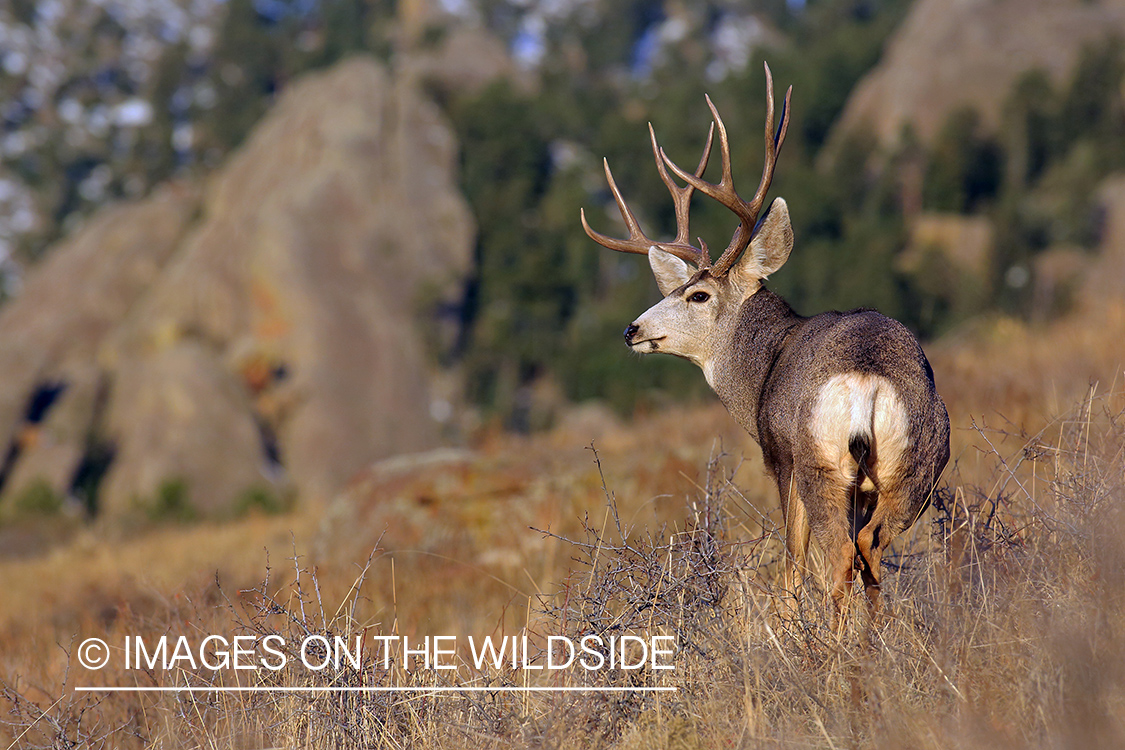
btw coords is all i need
(699, 297)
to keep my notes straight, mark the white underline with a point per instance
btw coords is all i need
(352, 689)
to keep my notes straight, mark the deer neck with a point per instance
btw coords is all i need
(755, 337)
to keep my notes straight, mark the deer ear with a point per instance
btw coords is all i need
(771, 245)
(671, 273)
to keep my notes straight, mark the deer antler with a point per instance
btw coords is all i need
(724, 192)
(681, 197)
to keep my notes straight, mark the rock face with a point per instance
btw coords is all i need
(52, 333)
(276, 338)
(467, 59)
(950, 53)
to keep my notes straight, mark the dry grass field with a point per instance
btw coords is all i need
(1003, 622)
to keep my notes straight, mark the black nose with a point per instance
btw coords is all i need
(630, 332)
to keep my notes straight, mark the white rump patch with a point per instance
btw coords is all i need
(855, 403)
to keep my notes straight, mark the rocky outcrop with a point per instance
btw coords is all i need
(951, 53)
(467, 58)
(276, 342)
(51, 335)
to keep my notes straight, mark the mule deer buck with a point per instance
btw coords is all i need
(842, 404)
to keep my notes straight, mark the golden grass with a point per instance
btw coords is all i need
(1003, 624)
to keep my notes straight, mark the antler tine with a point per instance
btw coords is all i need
(724, 191)
(774, 139)
(681, 196)
(638, 242)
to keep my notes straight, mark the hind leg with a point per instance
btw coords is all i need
(870, 545)
(827, 509)
(898, 507)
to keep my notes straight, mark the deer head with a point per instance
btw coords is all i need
(701, 299)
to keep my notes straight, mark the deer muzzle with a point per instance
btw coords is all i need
(634, 337)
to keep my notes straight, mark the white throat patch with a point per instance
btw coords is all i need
(709, 372)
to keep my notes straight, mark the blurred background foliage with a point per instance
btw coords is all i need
(545, 305)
